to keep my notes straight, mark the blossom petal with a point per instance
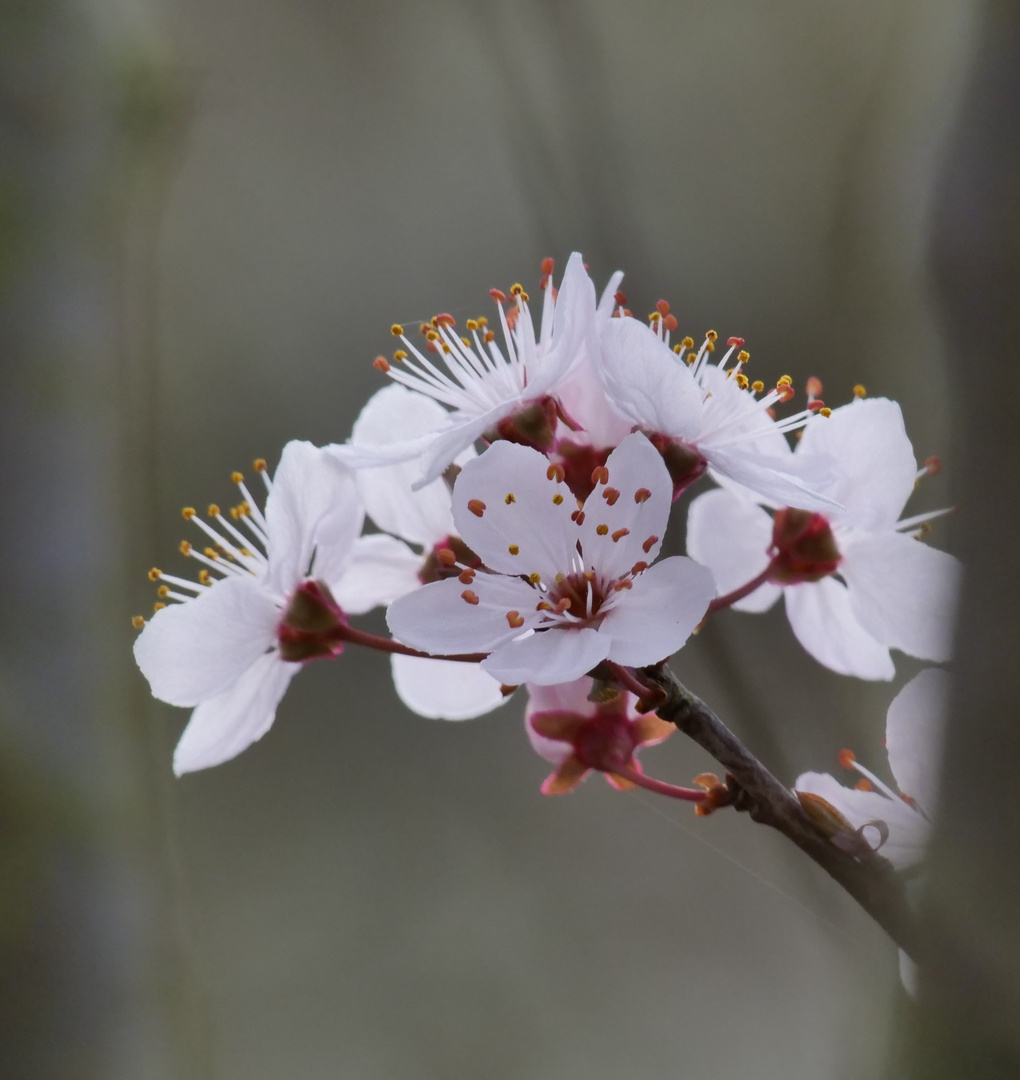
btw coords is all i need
(908, 830)
(437, 618)
(732, 538)
(195, 650)
(313, 508)
(421, 517)
(380, 569)
(647, 382)
(445, 689)
(876, 465)
(462, 432)
(504, 501)
(561, 697)
(625, 519)
(656, 616)
(903, 592)
(570, 773)
(551, 656)
(779, 481)
(223, 726)
(823, 621)
(913, 736)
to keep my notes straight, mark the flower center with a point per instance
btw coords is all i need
(580, 595)
(803, 547)
(313, 625)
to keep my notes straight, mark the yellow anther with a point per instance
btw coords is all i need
(214, 510)
(400, 354)
(743, 356)
(155, 574)
(158, 606)
(709, 346)
(138, 621)
(534, 578)
(784, 380)
(516, 289)
(653, 317)
(482, 320)
(711, 336)
(510, 498)
(688, 343)
(211, 553)
(260, 464)
(236, 478)
(446, 348)
(826, 411)
(678, 349)
(757, 386)
(432, 335)
(466, 342)
(235, 512)
(472, 324)
(188, 513)
(514, 549)
(742, 380)
(163, 592)
(184, 548)
(557, 499)
(397, 330)
(204, 577)
(489, 336)
(245, 509)
(859, 390)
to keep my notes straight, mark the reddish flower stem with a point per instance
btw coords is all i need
(374, 641)
(629, 681)
(660, 787)
(746, 589)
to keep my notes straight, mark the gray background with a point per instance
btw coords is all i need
(210, 215)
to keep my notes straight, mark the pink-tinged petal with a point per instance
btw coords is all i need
(731, 537)
(421, 517)
(586, 402)
(557, 726)
(380, 569)
(449, 617)
(656, 616)
(223, 726)
(561, 697)
(824, 623)
(647, 382)
(875, 461)
(313, 508)
(625, 519)
(445, 689)
(505, 509)
(913, 736)
(903, 592)
(551, 656)
(565, 778)
(572, 329)
(552, 750)
(908, 830)
(195, 650)
(778, 481)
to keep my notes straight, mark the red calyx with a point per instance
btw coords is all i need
(684, 463)
(313, 626)
(534, 425)
(803, 547)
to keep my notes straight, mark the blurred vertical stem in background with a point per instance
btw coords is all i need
(90, 980)
(967, 1021)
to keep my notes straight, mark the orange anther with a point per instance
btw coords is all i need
(785, 391)
(642, 495)
(380, 363)
(447, 556)
(548, 265)
(933, 464)
(847, 758)
(863, 785)
(465, 577)
(498, 295)
(610, 495)
(600, 475)
(515, 619)
(623, 583)
(735, 342)
(813, 387)
(445, 319)
(639, 568)
(476, 506)
(556, 472)
(670, 323)
(662, 307)
(649, 544)
(469, 596)
(620, 534)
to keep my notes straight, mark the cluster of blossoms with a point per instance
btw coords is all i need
(518, 479)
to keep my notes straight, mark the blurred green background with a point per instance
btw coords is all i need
(210, 213)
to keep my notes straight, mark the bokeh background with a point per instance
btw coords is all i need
(210, 213)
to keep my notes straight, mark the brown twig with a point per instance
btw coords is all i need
(871, 881)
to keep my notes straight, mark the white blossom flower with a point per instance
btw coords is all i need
(273, 594)
(856, 581)
(913, 739)
(577, 735)
(702, 415)
(487, 387)
(437, 689)
(564, 586)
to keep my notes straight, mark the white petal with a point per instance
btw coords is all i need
(572, 329)
(586, 402)
(903, 592)
(461, 434)
(913, 736)
(531, 521)
(552, 656)
(192, 651)
(313, 504)
(822, 619)
(908, 974)
(779, 481)
(445, 689)
(636, 471)
(380, 569)
(437, 619)
(656, 616)
(223, 726)
(561, 697)
(876, 466)
(908, 831)
(731, 537)
(421, 517)
(647, 382)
